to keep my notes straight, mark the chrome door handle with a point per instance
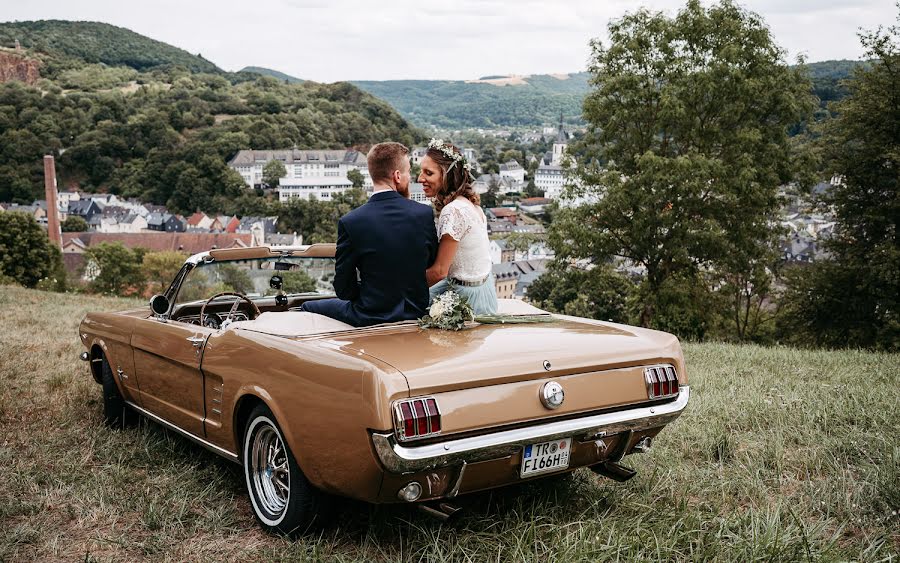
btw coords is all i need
(197, 341)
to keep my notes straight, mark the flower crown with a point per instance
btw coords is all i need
(439, 144)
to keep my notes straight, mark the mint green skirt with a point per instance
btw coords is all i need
(482, 298)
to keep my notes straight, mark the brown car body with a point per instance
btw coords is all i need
(333, 392)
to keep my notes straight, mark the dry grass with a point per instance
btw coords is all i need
(783, 455)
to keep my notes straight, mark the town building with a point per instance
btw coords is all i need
(512, 170)
(534, 205)
(550, 176)
(311, 174)
(164, 222)
(512, 279)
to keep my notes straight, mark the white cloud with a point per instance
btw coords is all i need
(428, 39)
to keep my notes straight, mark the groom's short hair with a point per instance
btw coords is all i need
(383, 159)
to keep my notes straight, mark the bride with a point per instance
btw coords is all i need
(463, 261)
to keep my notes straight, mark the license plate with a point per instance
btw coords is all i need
(545, 456)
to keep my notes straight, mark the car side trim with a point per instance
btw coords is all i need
(398, 458)
(200, 441)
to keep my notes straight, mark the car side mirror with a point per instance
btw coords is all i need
(159, 304)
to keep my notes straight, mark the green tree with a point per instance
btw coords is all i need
(235, 278)
(273, 171)
(599, 293)
(160, 268)
(74, 224)
(298, 282)
(687, 143)
(114, 269)
(852, 299)
(489, 198)
(356, 177)
(26, 254)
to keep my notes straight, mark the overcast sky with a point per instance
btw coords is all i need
(336, 40)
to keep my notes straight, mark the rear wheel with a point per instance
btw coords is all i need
(115, 411)
(283, 499)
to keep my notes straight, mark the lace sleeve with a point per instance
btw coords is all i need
(453, 222)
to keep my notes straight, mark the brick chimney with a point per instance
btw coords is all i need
(53, 226)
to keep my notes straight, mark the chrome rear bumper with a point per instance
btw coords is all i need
(398, 458)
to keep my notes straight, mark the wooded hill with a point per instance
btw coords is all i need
(94, 42)
(531, 101)
(134, 116)
(493, 102)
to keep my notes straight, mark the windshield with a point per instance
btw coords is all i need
(258, 277)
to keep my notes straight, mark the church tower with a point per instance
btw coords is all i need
(559, 147)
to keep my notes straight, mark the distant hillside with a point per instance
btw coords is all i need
(273, 73)
(507, 101)
(827, 76)
(95, 42)
(126, 114)
(492, 101)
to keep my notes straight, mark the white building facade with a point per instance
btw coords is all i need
(311, 174)
(513, 170)
(550, 176)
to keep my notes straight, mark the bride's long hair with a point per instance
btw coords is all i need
(457, 178)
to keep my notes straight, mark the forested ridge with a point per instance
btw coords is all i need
(77, 43)
(161, 126)
(537, 100)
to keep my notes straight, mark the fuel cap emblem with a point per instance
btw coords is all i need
(552, 395)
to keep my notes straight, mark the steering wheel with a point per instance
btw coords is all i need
(230, 316)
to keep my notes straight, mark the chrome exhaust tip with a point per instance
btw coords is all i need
(614, 471)
(443, 511)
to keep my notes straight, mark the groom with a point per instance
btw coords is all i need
(383, 249)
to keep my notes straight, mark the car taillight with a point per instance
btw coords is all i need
(662, 382)
(416, 418)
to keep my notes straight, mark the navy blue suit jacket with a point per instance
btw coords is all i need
(390, 241)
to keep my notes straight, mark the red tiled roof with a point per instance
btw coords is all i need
(534, 201)
(503, 212)
(195, 219)
(233, 225)
(189, 243)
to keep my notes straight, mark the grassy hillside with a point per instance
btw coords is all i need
(273, 73)
(95, 42)
(782, 455)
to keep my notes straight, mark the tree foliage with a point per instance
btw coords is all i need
(26, 254)
(687, 143)
(853, 299)
(74, 224)
(273, 171)
(114, 269)
(159, 268)
(298, 282)
(599, 293)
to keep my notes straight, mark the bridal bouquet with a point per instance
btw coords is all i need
(448, 312)
(451, 311)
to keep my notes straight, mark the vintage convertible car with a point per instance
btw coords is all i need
(389, 413)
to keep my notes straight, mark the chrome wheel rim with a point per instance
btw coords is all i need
(269, 470)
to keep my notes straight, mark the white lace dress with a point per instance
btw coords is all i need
(470, 271)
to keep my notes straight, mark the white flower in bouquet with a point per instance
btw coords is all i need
(448, 312)
(436, 309)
